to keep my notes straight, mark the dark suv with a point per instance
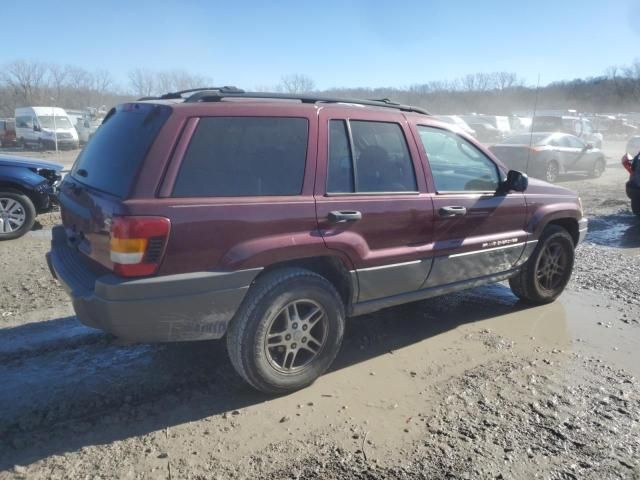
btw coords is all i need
(272, 218)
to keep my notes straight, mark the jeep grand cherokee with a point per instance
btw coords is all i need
(270, 218)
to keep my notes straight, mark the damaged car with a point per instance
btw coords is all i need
(27, 188)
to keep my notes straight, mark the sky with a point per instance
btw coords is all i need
(344, 43)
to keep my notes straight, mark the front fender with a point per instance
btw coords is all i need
(546, 214)
(21, 176)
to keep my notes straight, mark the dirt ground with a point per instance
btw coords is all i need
(471, 385)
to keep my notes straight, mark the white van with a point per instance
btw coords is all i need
(39, 126)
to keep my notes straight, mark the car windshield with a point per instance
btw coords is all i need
(58, 122)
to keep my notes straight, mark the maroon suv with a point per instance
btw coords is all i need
(272, 218)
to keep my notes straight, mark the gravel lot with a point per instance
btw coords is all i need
(472, 385)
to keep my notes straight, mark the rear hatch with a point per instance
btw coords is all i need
(104, 174)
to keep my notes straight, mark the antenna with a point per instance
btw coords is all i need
(535, 108)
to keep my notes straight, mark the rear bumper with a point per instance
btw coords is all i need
(583, 224)
(183, 307)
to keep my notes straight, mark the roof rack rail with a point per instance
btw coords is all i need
(217, 95)
(179, 94)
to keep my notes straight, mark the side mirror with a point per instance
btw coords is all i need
(588, 146)
(516, 182)
(36, 128)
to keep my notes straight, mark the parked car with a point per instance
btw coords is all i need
(458, 122)
(270, 218)
(547, 155)
(633, 145)
(7, 132)
(27, 188)
(486, 132)
(579, 126)
(84, 123)
(40, 127)
(631, 163)
(500, 122)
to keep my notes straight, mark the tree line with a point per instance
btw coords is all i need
(35, 83)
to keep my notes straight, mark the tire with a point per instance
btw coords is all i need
(635, 205)
(598, 168)
(15, 201)
(528, 284)
(552, 172)
(266, 311)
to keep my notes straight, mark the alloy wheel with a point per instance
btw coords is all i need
(12, 215)
(552, 172)
(296, 335)
(552, 266)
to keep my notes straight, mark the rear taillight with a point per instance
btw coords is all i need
(626, 162)
(137, 244)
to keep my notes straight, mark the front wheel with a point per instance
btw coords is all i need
(17, 214)
(287, 331)
(546, 273)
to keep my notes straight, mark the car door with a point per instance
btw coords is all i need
(581, 157)
(478, 232)
(371, 200)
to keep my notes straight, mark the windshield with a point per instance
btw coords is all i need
(59, 123)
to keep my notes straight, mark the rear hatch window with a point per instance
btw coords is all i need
(112, 158)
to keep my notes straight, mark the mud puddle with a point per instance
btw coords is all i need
(620, 230)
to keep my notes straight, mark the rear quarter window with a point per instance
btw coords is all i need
(244, 156)
(113, 156)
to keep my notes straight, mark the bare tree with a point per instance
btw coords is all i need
(57, 78)
(176, 80)
(296, 83)
(504, 80)
(142, 82)
(25, 80)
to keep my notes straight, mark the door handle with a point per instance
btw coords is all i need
(344, 216)
(453, 211)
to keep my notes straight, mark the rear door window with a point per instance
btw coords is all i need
(378, 161)
(244, 156)
(111, 160)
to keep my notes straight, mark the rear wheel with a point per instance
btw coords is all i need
(17, 214)
(546, 273)
(287, 331)
(553, 171)
(598, 168)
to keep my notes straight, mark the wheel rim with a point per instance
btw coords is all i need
(12, 215)
(552, 266)
(296, 335)
(552, 172)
